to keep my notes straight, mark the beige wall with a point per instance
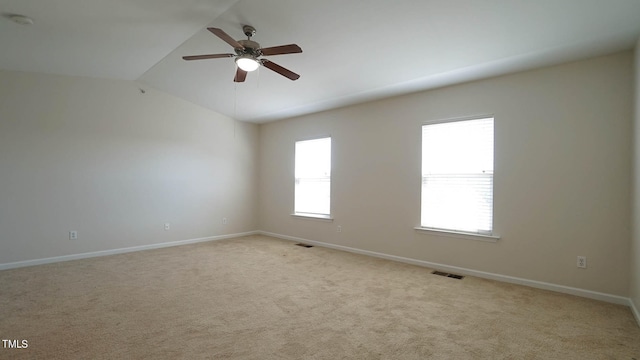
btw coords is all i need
(635, 240)
(100, 157)
(562, 183)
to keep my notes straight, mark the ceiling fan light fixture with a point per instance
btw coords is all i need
(247, 63)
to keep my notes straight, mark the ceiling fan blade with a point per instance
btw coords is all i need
(282, 49)
(224, 36)
(280, 70)
(210, 56)
(241, 75)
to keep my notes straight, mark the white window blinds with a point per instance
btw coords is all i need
(457, 176)
(313, 177)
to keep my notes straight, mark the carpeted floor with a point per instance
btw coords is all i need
(262, 298)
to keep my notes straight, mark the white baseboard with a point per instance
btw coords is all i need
(463, 271)
(18, 264)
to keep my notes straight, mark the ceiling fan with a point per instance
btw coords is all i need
(248, 54)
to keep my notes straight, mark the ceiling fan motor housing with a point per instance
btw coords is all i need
(250, 48)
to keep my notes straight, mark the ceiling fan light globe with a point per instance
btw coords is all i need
(247, 63)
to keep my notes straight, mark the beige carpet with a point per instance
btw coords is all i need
(263, 298)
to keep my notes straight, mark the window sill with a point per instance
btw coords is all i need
(313, 216)
(459, 234)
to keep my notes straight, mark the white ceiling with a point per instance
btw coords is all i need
(353, 51)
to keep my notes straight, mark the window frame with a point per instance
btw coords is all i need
(491, 236)
(310, 215)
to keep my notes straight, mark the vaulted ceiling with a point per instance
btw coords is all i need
(353, 50)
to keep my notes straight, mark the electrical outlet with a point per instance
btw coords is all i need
(339, 228)
(167, 226)
(224, 221)
(582, 262)
(73, 235)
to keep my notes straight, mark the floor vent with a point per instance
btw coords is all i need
(459, 277)
(305, 245)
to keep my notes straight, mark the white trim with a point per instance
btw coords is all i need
(313, 137)
(615, 299)
(309, 216)
(459, 234)
(18, 264)
(457, 119)
(635, 311)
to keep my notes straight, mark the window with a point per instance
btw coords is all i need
(313, 178)
(457, 176)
